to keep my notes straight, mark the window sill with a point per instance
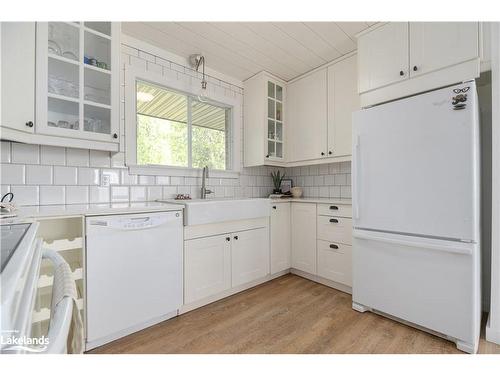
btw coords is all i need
(160, 170)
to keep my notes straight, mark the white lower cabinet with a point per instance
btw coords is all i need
(335, 262)
(249, 256)
(304, 237)
(280, 237)
(215, 264)
(207, 267)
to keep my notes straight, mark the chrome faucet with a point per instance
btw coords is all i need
(204, 190)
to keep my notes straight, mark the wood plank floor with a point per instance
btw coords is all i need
(287, 315)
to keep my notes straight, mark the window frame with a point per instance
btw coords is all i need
(190, 89)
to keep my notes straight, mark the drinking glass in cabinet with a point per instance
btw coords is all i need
(97, 51)
(97, 119)
(63, 114)
(101, 27)
(270, 108)
(270, 89)
(63, 78)
(97, 86)
(270, 129)
(63, 40)
(278, 111)
(279, 93)
(279, 131)
(270, 148)
(279, 150)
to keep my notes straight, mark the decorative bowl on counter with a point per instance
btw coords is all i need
(296, 191)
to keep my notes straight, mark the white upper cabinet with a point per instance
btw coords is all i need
(280, 237)
(343, 100)
(78, 80)
(264, 122)
(402, 59)
(17, 76)
(307, 117)
(436, 45)
(383, 56)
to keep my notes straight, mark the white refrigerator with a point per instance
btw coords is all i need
(416, 230)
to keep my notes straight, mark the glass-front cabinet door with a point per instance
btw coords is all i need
(78, 80)
(275, 120)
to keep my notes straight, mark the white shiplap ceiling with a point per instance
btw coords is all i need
(242, 49)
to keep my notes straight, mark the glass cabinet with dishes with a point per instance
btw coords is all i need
(264, 121)
(77, 69)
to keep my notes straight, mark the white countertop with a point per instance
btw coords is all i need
(26, 212)
(314, 200)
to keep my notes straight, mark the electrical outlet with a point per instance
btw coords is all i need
(105, 178)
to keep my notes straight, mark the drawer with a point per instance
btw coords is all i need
(343, 210)
(335, 262)
(335, 229)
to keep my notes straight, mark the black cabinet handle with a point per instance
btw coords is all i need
(29, 124)
(228, 238)
(274, 207)
(115, 136)
(332, 246)
(322, 153)
(334, 221)
(267, 155)
(235, 237)
(401, 73)
(415, 68)
(329, 152)
(334, 207)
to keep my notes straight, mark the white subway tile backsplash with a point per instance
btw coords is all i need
(118, 160)
(154, 193)
(99, 194)
(65, 175)
(77, 157)
(176, 180)
(319, 180)
(128, 179)
(329, 180)
(137, 193)
(25, 195)
(163, 180)
(12, 174)
(324, 192)
(77, 194)
(100, 159)
(50, 155)
(25, 153)
(52, 195)
(334, 191)
(88, 176)
(38, 174)
(169, 192)
(340, 179)
(323, 169)
(5, 152)
(146, 180)
(119, 194)
(345, 192)
(112, 174)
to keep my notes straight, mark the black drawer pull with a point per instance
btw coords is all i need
(334, 208)
(228, 238)
(235, 237)
(332, 246)
(334, 221)
(274, 207)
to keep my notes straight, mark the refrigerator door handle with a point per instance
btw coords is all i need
(355, 182)
(438, 245)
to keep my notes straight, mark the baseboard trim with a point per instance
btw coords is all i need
(322, 280)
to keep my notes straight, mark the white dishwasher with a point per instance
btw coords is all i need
(134, 271)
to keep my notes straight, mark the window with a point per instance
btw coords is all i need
(175, 129)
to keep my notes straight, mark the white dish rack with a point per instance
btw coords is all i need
(65, 236)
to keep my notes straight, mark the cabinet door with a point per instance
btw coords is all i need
(207, 267)
(307, 120)
(343, 100)
(383, 56)
(17, 76)
(249, 256)
(304, 237)
(335, 262)
(436, 45)
(280, 237)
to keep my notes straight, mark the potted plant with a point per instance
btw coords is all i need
(277, 178)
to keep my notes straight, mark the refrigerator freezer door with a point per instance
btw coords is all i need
(426, 282)
(415, 165)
